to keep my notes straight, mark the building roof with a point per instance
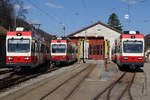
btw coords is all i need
(2, 31)
(94, 25)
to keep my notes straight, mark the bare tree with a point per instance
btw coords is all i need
(22, 11)
(6, 14)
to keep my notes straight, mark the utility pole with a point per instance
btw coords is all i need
(85, 47)
(64, 30)
(15, 20)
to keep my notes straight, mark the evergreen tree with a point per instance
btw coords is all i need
(114, 22)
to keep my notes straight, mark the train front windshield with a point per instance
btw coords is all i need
(18, 45)
(58, 48)
(133, 46)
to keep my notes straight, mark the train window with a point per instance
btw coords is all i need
(58, 48)
(69, 49)
(48, 50)
(18, 45)
(42, 48)
(33, 47)
(133, 46)
(37, 47)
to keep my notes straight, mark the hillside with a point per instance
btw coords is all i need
(147, 41)
(28, 27)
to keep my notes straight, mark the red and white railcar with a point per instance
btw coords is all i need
(63, 51)
(129, 50)
(25, 49)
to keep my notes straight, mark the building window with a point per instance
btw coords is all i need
(101, 46)
(101, 52)
(98, 48)
(90, 49)
(94, 50)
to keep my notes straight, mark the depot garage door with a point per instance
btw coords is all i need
(96, 48)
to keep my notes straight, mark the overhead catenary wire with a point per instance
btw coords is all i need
(47, 14)
(43, 11)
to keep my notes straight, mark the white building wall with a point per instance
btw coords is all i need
(147, 55)
(100, 30)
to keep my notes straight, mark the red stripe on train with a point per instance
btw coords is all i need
(59, 57)
(18, 59)
(58, 41)
(129, 36)
(22, 33)
(132, 58)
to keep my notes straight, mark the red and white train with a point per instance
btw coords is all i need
(63, 51)
(25, 49)
(128, 50)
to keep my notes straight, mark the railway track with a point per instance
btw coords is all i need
(110, 87)
(86, 72)
(127, 88)
(144, 87)
(5, 72)
(14, 79)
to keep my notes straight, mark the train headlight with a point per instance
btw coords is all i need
(63, 56)
(139, 58)
(10, 58)
(126, 58)
(26, 58)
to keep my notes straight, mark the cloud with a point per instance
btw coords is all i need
(53, 5)
(129, 2)
(28, 7)
(31, 21)
(16, 6)
(24, 7)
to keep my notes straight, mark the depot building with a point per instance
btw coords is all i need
(90, 40)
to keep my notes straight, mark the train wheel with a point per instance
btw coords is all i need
(132, 67)
(48, 65)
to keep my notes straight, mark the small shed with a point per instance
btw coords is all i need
(95, 34)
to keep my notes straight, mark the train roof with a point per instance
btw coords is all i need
(25, 33)
(132, 36)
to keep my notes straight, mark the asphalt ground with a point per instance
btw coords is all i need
(98, 79)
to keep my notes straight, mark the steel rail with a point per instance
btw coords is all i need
(52, 69)
(127, 88)
(80, 82)
(64, 82)
(5, 71)
(109, 86)
(14, 79)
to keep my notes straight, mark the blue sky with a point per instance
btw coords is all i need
(76, 14)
